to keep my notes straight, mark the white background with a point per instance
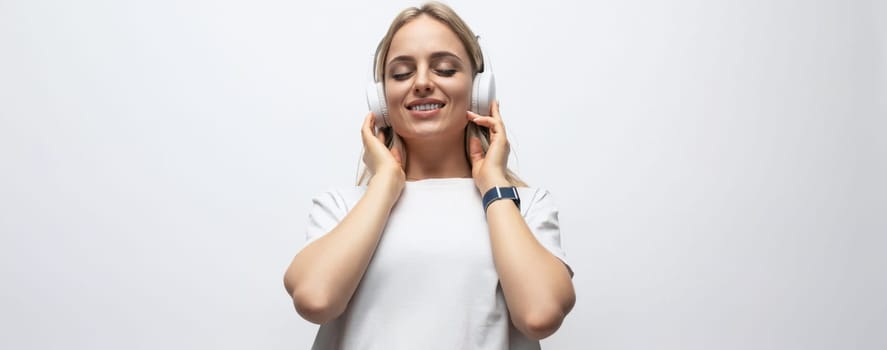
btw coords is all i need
(719, 165)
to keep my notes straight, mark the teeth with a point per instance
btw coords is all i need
(426, 107)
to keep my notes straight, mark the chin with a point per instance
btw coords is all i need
(430, 131)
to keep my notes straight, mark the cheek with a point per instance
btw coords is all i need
(459, 91)
(392, 90)
(394, 95)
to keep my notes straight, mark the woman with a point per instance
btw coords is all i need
(429, 253)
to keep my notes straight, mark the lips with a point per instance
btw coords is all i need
(425, 104)
(426, 107)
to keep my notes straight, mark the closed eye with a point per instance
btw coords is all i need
(401, 76)
(446, 72)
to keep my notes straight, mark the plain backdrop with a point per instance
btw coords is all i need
(719, 165)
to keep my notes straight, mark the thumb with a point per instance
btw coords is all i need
(475, 150)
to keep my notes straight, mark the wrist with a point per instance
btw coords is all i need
(392, 182)
(501, 194)
(487, 184)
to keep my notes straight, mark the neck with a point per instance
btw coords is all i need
(426, 160)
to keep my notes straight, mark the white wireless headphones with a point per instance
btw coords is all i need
(483, 91)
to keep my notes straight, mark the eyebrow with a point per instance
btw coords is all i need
(434, 56)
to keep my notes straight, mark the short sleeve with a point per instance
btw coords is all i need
(541, 215)
(327, 209)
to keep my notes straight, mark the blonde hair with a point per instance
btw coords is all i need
(445, 15)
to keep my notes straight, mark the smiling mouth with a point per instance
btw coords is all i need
(426, 107)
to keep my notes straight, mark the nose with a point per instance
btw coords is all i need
(423, 85)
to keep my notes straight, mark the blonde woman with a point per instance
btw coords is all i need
(440, 246)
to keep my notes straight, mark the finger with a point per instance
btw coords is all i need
(368, 123)
(381, 136)
(471, 115)
(494, 109)
(497, 130)
(488, 122)
(475, 151)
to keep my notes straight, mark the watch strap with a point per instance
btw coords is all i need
(497, 193)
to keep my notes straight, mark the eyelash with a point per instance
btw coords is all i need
(401, 76)
(441, 72)
(446, 72)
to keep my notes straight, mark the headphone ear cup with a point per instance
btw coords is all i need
(376, 101)
(483, 93)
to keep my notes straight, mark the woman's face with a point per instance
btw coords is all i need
(427, 81)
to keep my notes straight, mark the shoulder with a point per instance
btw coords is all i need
(343, 197)
(342, 191)
(535, 199)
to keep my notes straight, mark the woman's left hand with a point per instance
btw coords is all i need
(489, 169)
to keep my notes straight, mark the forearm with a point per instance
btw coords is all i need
(322, 278)
(537, 285)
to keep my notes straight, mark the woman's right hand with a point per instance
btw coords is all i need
(382, 162)
(325, 274)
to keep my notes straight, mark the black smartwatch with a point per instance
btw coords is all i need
(497, 193)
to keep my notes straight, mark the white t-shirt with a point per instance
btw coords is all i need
(431, 283)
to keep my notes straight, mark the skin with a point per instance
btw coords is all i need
(427, 61)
